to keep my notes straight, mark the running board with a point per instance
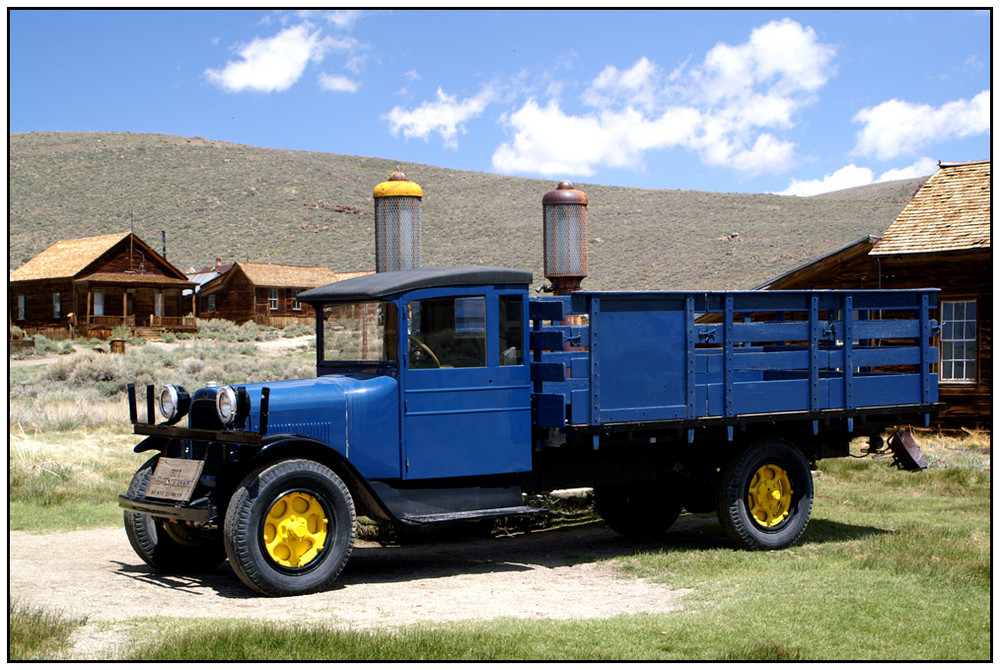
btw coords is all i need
(471, 515)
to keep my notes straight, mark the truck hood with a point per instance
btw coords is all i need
(354, 414)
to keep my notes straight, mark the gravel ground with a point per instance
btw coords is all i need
(548, 574)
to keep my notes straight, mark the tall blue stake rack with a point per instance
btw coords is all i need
(692, 359)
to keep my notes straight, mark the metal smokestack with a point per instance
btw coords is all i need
(397, 224)
(564, 228)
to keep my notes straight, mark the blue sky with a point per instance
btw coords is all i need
(781, 101)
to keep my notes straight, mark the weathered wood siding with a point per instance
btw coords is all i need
(960, 276)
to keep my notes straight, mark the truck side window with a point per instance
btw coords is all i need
(364, 331)
(511, 330)
(448, 333)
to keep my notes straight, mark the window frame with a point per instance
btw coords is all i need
(455, 349)
(949, 343)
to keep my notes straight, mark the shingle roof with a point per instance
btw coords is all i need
(66, 258)
(289, 276)
(950, 212)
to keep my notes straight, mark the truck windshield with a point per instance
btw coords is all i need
(361, 331)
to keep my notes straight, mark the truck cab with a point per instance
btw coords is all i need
(454, 340)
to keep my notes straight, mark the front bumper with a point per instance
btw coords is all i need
(200, 511)
(161, 436)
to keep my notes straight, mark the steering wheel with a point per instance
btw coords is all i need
(424, 348)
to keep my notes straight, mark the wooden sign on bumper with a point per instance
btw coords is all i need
(174, 479)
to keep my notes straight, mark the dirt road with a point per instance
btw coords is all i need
(555, 574)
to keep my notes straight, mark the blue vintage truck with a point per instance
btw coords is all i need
(447, 394)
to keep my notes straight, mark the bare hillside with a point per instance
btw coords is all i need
(238, 202)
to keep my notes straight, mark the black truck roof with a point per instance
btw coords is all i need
(381, 284)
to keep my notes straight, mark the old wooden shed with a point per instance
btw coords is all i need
(264, 292)
(941, 240)
(88, 287)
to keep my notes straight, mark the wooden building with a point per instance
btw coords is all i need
(88, 287)
(941, 240)
(264, 293)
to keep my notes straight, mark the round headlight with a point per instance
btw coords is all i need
(225, 404)
(174, 401)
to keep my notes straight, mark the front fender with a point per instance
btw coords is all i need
(284, 446)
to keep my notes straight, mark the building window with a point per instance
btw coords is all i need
(211, 303)
(56, 305)
(272, 299)
(296, 305)
(99, 303)
(157, 303)
(20, 307)
(958, 341)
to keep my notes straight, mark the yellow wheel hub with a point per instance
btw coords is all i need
(295, 530)
(770, 495)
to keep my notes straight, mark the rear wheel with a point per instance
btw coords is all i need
(290, 528)
(637, 510)
(765, 495)
(168, 546)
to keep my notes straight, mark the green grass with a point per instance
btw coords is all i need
(35, 634)
(894, 566)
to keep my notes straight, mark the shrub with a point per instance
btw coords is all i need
(298, 330)
(94, 367)
(121, 332)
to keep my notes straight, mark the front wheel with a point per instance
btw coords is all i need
(290, 528)
(765, 495)
(168, 546)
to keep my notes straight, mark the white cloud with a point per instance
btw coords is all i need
(896, 127)
(550, 142)
(851, 175)
(636, 86)
(729, 108)
(922, 168)
(275, 63)
(445, 116)
(332, 82)
(846, 177)
(344, 18)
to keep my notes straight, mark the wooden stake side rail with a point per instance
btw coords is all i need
(604, 358)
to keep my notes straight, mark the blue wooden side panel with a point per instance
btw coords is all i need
(629, 357)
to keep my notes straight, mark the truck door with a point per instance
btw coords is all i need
(466, 384)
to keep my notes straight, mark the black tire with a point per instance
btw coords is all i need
(776, 520)
(637, 510)
(168, 546)
(266, 554)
